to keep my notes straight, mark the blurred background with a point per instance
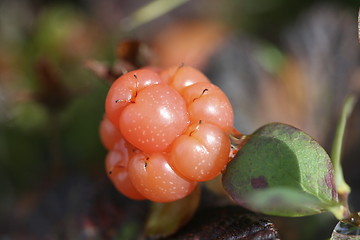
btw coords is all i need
(277, 60)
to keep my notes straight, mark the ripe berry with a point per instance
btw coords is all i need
(206, 101)
(116, 164)
(201, 153)
(109, 135)
(153, 177)
(182, 76)
(166, 132)
(124, 90)
(155, 120)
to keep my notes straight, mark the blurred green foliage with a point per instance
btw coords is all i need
(33, 136)
(268, 19)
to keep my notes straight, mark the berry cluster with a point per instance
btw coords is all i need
(165, 131)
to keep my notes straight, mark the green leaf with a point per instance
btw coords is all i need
(282, 171)
(167, 218)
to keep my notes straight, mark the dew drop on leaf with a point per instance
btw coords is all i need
(347, 229)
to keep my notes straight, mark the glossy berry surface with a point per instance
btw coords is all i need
(125, 89)
(155, 120)
(109, 135)
(116, 164)
(201, 153)
(180, 77)
(207, 102)
(165, 131)
(153, 177)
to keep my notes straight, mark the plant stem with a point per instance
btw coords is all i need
(238, 140)
(341, 186)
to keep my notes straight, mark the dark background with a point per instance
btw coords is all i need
(278, 60)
